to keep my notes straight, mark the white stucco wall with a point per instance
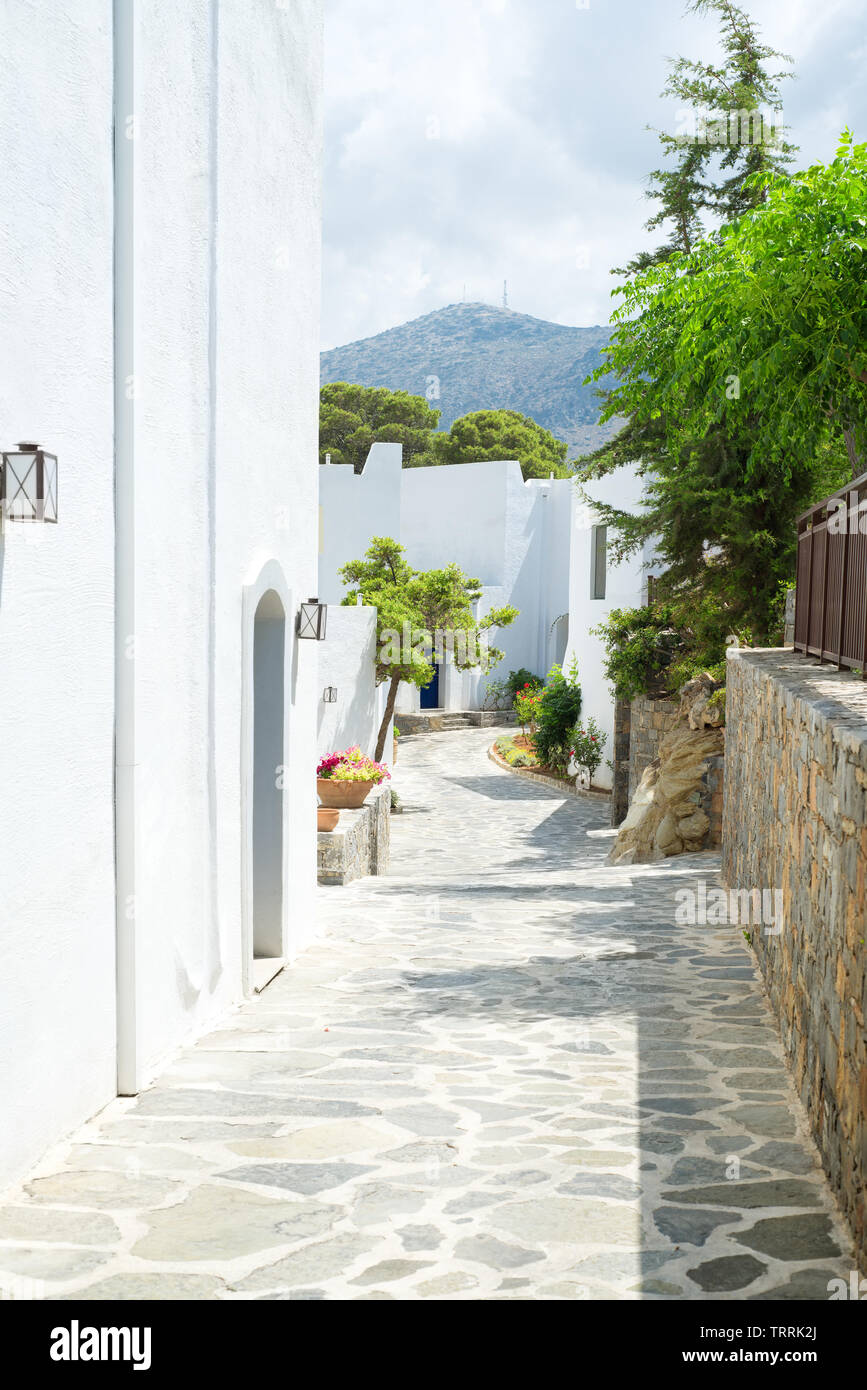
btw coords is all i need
(355, 507)
(625, 586)
(347, 660)
(529, 544)
(217, 439)
(226, 366)
(57, 1035)
(512, 536)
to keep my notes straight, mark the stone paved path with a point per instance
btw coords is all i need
(503, 1072)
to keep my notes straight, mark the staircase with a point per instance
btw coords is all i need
(436, 721)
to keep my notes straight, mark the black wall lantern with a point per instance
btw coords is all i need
(329, 694)
(28, 484)
(311, 620)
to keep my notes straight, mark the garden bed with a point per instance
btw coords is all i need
(517, 755)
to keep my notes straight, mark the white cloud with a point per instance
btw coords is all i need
(472, 141)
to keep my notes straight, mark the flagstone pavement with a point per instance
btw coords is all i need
(503, 1071)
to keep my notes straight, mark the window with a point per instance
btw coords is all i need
(599, 550)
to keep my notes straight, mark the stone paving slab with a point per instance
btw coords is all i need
(502, 1071)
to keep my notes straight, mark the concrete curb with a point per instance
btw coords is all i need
(599, 797)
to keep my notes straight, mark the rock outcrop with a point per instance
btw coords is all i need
(666, 815)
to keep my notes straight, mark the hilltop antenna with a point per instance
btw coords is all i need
(465, 295)
(505, 294)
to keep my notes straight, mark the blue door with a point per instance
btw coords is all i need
(430, 694)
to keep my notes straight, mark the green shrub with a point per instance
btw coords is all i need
(641, 644)
(498, 695)
(588, 744)
(518, 679)
(558, 713)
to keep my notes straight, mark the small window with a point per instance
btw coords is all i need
(598, 561)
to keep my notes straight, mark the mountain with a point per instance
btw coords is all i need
(487, 358)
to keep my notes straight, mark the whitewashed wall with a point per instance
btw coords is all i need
(512, 536)
(57, 998)
(355, 507)
(217, 448)
(625, 588)
(225, 444)
(347, 661)
(529, 544)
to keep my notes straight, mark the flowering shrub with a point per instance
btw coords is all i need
(527, 701)
(351, 766)
(558, 713)
(587, 745)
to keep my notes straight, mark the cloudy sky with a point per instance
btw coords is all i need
(470, 142)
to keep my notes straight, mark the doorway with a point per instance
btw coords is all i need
(429, 695)
(269, 644)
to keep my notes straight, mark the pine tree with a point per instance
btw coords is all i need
(724, 532)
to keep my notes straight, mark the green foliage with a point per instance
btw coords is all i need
(655, 650)
(497, 695)
(352, 418)
(518, 679)
(428, 602)
(515, 757)
(640, 644)
(503, 434)
(527, 703)
(558, 713)
(588, 745)
(723, 486)
(704, 177)
(757, 339)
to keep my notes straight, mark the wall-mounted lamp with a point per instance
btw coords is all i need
(311, 620)
(329, 694)
(28, 484)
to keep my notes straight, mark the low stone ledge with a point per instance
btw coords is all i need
(588, 793)
(359, 846)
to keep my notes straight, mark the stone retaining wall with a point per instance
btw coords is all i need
(620, 761)
(360, 844)
(795, 820)
(639, 728)
(649, 722)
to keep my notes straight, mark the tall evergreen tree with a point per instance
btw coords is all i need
(729, 127)
(724, 528)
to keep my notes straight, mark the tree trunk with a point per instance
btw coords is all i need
(386, 718)
(851, 450)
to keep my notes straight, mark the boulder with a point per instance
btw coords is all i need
(666, 817)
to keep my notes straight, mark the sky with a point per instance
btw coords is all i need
(472, 142)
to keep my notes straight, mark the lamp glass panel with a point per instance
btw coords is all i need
(307, 623)
(21, 486)
(50, 483)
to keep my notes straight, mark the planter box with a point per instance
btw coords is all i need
(360, 844)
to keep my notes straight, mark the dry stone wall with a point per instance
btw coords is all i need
(795, 821)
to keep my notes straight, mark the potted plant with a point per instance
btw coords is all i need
(344, 780)
(327, 817)
(396, 731)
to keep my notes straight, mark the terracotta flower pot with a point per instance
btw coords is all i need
(326, 817)
(345, 795)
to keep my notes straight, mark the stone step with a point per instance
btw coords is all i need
(443, 721)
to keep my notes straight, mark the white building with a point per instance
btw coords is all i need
(159, 246)
(535, 545)
(596, 586)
